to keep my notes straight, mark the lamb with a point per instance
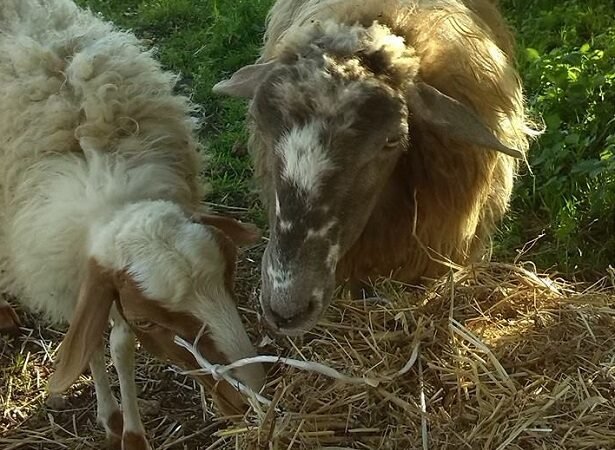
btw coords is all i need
(385, 136)
(101, 216)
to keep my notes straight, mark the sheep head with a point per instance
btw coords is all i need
(334, 110)
(165, 274)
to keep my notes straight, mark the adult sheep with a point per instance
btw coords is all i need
(100, 213)
(9, 321)
(384, 135)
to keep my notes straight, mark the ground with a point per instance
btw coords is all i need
(565, 207)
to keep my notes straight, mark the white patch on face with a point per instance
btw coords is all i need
(172, 264)
(304, 159)
(285, 225)
(332, 256)
(217, 310)
(318, 294)
(278, 211)
(161, 248)
(321, 232)
(280, 279)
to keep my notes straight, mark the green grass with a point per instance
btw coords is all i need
(205, 40)
(567, 61)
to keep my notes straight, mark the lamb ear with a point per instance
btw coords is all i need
(86, 330)
(244, 82)
(241, 233)
(454, 119)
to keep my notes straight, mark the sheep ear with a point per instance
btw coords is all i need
(454, 119)
(87, 328)
(241, 233)
(244, 82)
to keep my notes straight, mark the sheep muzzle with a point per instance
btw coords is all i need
(156, 327)
(294, 295)
(160, 343)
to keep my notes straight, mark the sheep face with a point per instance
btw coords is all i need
(156, 327)
(334, 144)
(331, 111)
(166, 276)
(329, 116)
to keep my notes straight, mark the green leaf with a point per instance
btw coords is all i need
(532, 54)
(572, 139)
(553, 121)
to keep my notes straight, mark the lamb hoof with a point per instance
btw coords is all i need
(9, 322)
(114, 426)
(56, 402)
(134, 441)
(113, 442)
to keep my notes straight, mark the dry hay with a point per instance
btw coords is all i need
(500, 358)
(503, 358)
(29, 419)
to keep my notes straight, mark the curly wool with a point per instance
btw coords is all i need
(88, 122)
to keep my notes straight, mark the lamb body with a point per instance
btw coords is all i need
(100, 214)
(70, 84)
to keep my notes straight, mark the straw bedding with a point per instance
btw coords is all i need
(494, 356)
(504, 359)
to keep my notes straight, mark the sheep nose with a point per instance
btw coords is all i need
(290, 314)
(295, 317)
(294, 293)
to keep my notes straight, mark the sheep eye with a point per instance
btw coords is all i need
(144, 325)
(392, 143)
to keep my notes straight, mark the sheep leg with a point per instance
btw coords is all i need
(9, 322)
(123, 354)
(108, 412)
